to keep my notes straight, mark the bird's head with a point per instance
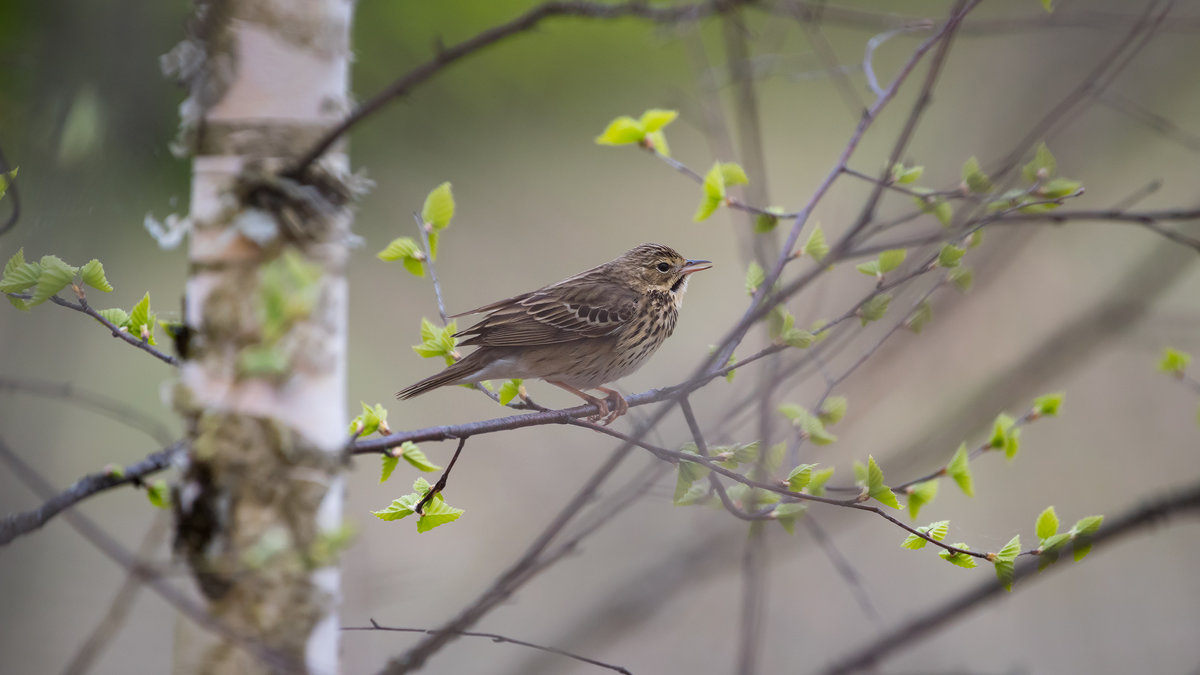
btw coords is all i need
(658, 268)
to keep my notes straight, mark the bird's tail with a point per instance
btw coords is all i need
(455, 373)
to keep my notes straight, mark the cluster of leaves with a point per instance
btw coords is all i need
(435, 217)
(812, 427)
(1046, 190)
(437, 341)
(719, 178)
(646, 131)
(436, 511)
(46, 277)
(373, 419)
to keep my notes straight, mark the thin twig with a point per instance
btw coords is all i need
(18, 524)
(422, 228)
(952, 610)
(98, 402)
(494, 637)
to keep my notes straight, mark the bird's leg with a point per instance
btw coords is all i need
(621, 406)
(600, 403)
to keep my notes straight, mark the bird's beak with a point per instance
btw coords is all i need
(690, 266)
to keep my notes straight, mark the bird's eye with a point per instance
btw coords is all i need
(664, 267)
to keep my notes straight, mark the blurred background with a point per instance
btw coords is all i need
(1084, 308)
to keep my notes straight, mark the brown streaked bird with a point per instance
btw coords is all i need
(580, 333)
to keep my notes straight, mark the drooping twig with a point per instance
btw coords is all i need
(494, 637)
(17, 524)
(103, 404)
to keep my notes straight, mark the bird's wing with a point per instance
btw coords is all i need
(558, 313)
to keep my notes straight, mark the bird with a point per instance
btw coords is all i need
(580, 333)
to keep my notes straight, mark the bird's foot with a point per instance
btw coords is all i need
(620, 405)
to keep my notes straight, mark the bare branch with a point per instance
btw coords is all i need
(494, 637)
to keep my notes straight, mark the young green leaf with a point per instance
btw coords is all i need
(1005, 572)
(890, 260)
(1011, 549)
(439, 207)
(833, 409)
(510, 390)
(921, 494)
(655, 119)
(1048, 405)
(55, 276)
(622, 131)
(142, 322)
(950, 255)
(936, 531)
(1048, 5)
(1058, 188)
(921, 316)
(974, 178)
(1047, 524)
(657, 140)
(960, 470)
(92, 274)
(875, 308)
(809, 424)
(390, 462)
(367, 423)
(408, 252)
(962, 278)
(115, 315)
(816, 484)
(688, 474)
(766, 222)
(732, 173)
(6, 180)
(799, 477)
(870, 268)
(816, 247)
(1086, 527)
(1174, 362)
(902, 174)
(714, 182)
(755, 276)
(1042, 166)
(159, 494)
(413, 455)
(875, 487)
(788, 513)
(437, 341)
(18, 274)
(959, 559)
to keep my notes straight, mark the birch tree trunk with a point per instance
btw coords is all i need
(262, 389)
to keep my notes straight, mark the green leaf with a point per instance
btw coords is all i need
(870, 268)
(159, 494)
(1048, 405)
(714, 182)
(117, 316)
(962, 278)
(657, 140)
(809, 424)
(622, 131)
(1011, 549)
(413, 455)
(1080, 551)
(92, 274)
(890, 260)
(902, 174)
(938, 530)
(766, 222)
(437, 341)
(816, 484)
(875, 486)
(142, 321)
(755, 276)
(655, 119)
(390, 462)
(1041, 166)
(799, 477)
(938, 206)
(510, 390)
(1058, 188)
(921, 494)
(788, 513)
(1005, 572)
(369, 421)
(975, 179)
(408, 252)
(913, 542)
(875, 308)
(1047, 524)
(921, 316)
(688, 474)
(960, 470)
(1000, 430)
(18, 274)
(707, 207)
(1050, 546)
(437, 512)
(1086, 527)
(56, 275)
(950, 255)
(816, 247)
(439, 207)
(1048, 5)
(1174, 362)
(833, 409)
(733, 174)
(959, 559)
